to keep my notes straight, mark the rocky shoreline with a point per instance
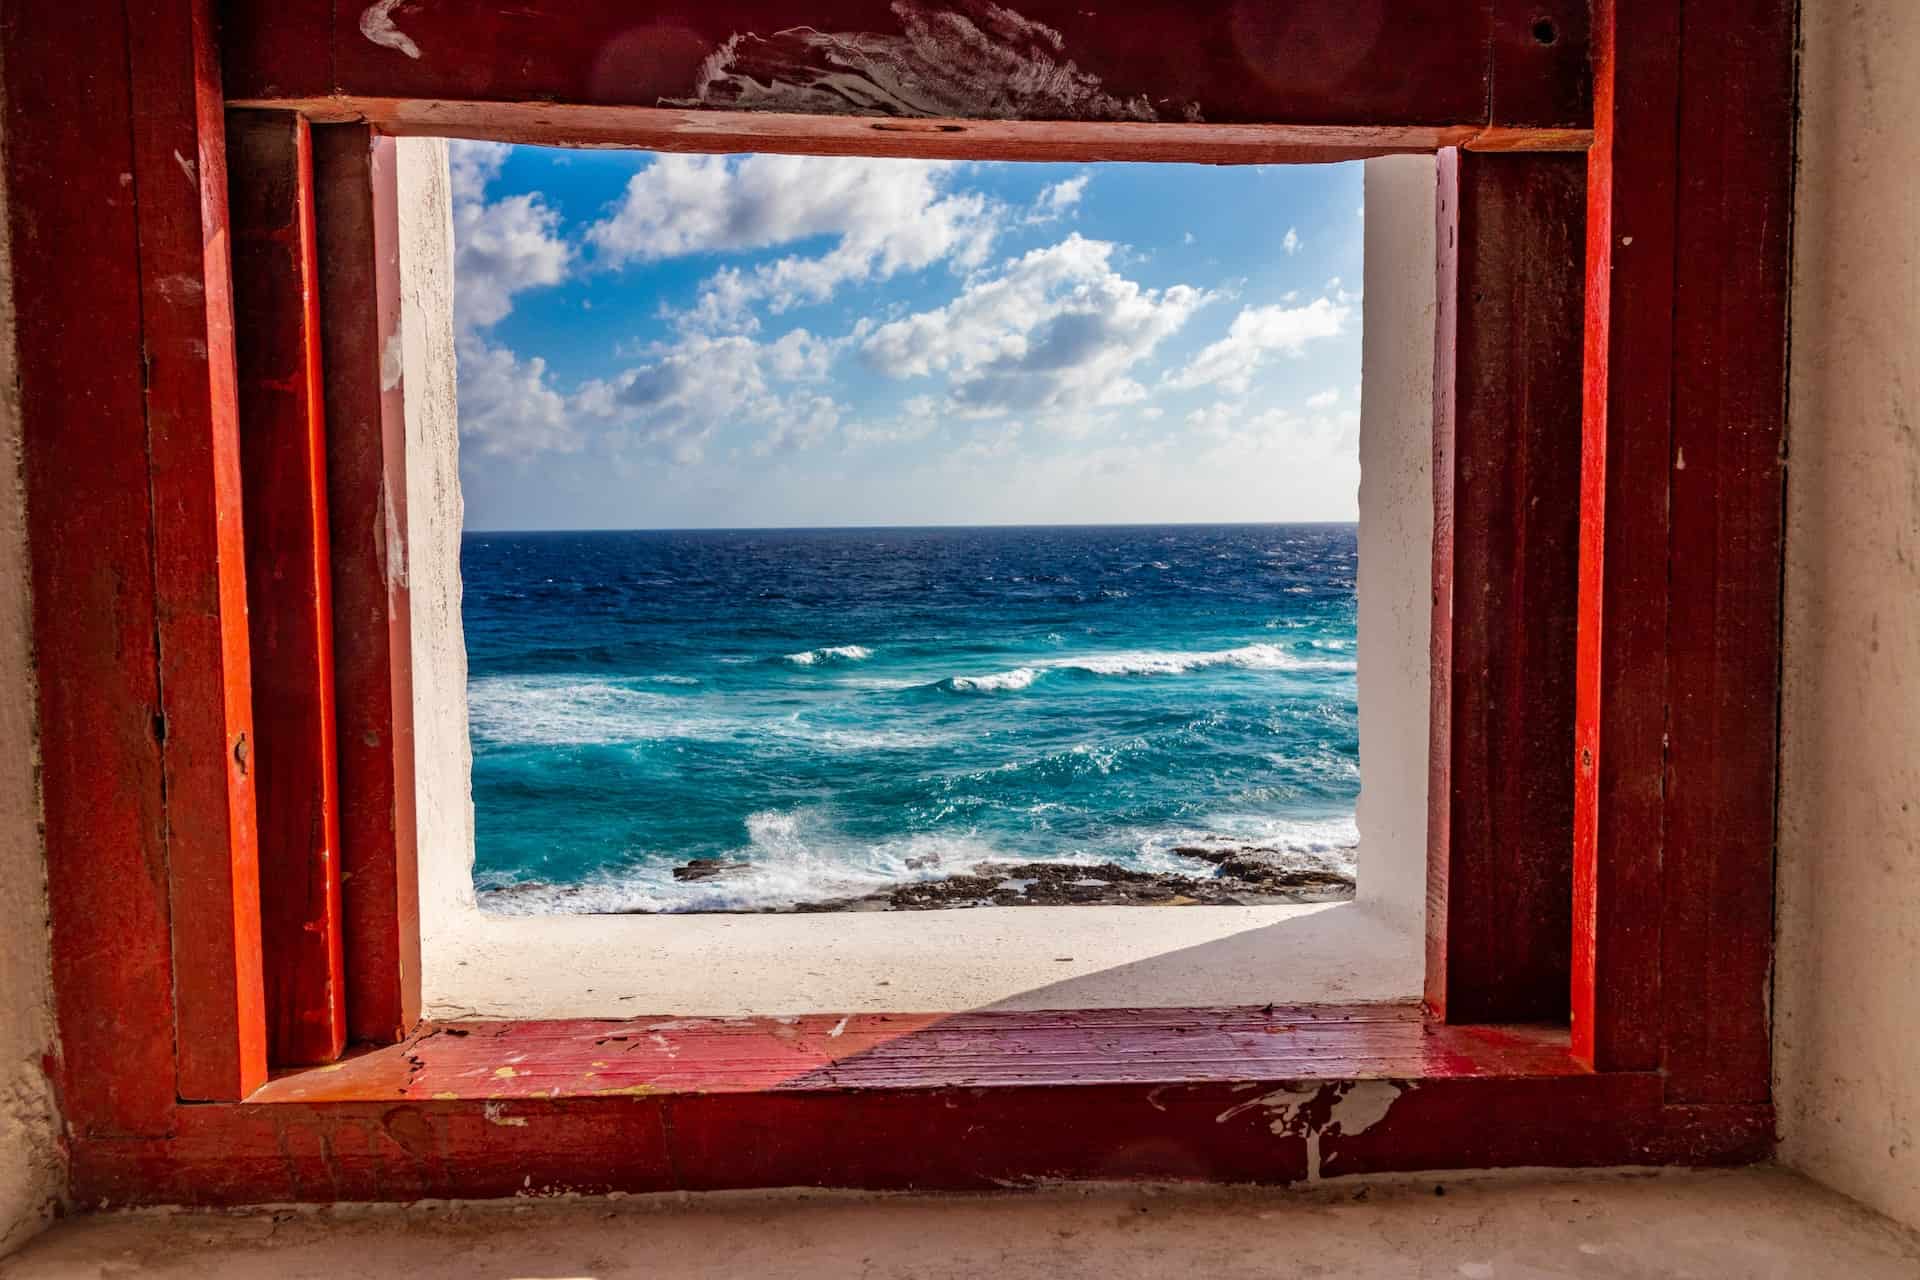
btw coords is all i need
(1241, 875)
(1225, 874)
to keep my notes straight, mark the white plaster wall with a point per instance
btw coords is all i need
(1396, 537)
(443, 752)
(32, 1172)
(1847, 991)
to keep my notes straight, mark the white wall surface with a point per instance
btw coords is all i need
(1847, 986)
(32, 1172)
(1396, 537)
(443, 753)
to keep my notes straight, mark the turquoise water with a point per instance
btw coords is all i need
(848, 709)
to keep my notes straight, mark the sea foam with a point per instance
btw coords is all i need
(830, 653)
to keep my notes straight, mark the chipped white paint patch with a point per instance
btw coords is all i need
(1294, 1111)
(972, 60)
(838, 1027)
(181, 288)
(396, 565)
(376, 24)
(665, 1045)
(1476, 1270)
(393, 361)
(496, 1113)
(189, 168)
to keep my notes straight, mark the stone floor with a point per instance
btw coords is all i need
(1759, 1223)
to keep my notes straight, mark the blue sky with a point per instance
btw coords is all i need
(705, 341)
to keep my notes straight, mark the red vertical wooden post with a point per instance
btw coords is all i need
(1729, 412)
(69, 162)
(358, 220)
(1506, 474)
(199, 579)
(289, 582)
(1620, 721)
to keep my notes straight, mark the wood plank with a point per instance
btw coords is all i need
(358, 227)
(199, 581)
(1506, 473)
(680, 130)
(1730, 324)
(1310, 62)
(1621, 689)
(289, 582)
(69, 164)
(1540, 68)
(965, 1101)
(988, 1049)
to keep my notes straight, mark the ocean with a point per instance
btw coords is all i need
(846, 710)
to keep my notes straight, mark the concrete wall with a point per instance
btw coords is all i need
(443, 753)
(32, 1174)
(1847, 989)
(1396, 537)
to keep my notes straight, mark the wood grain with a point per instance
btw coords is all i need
(289, 582)
(199, 553)
(357, 218)
(1506, 472)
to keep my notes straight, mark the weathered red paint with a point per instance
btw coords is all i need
(75, 253)
(1729, 411)
(964, 1101)
(1669, 868)
(359, 245)
(1680, 615)
(1337, 63)
(1506, 474)
(199, 556)
(1621, 687)
(289, 582)
(597, 1057)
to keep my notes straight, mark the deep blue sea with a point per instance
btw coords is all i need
(850, 708)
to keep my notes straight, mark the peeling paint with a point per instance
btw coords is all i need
(974, 60)
(496, 1113)
(180, 288)
(376, 24)
(189, 168)
(396, 566)
(393, 361)
(1311, 1111)
(838, 1028)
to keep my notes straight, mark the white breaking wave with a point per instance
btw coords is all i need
(1018, 678)
(797, 857)
(566, 711)
(1149, 662)
(831, 653)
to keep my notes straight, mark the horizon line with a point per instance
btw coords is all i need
(889, 528)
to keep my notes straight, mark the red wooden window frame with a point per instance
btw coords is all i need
(1600, 911)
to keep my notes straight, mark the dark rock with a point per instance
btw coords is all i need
(710, 869)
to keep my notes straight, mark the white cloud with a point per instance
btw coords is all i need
(684, 392)
(1324, 399)
(1056, 331)
(888, 216)
(472, 165)
(1291, 242)
(1058, 198)
(507, 407)
(502, 247)
(1258, 333)
(1187, 239)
